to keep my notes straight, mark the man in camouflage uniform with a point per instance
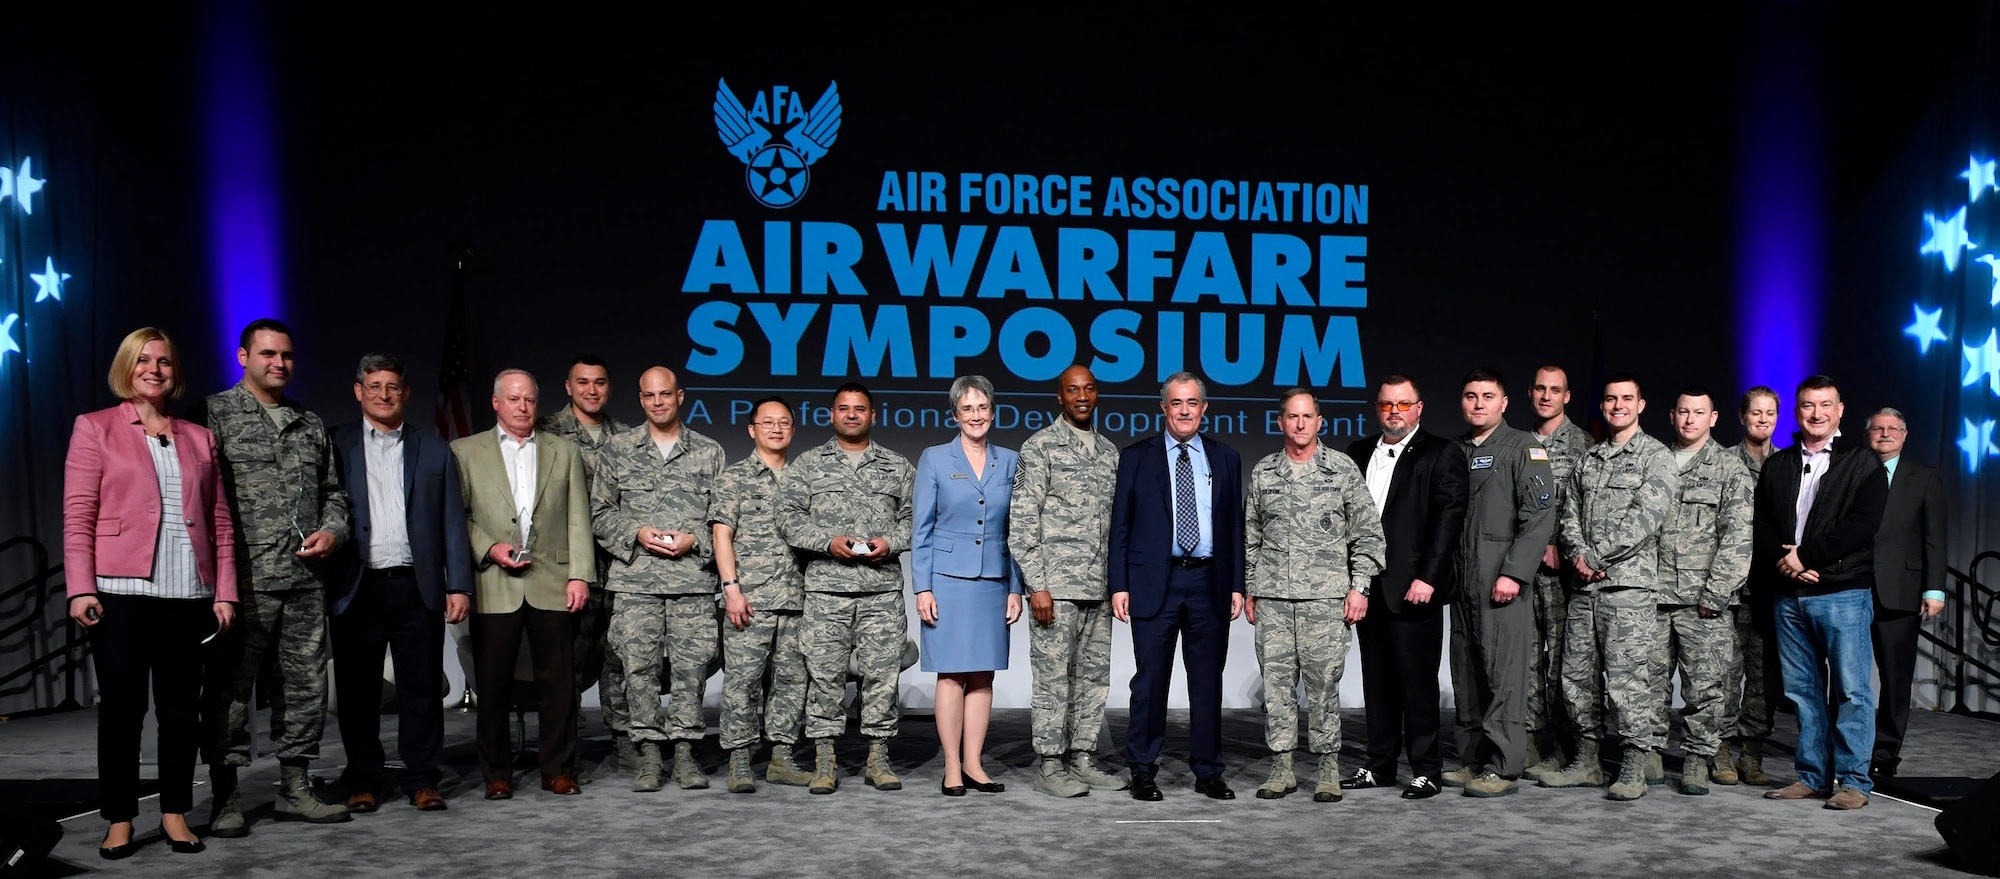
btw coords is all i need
(1509, 511)
(1060, 520)
(764, 599)
(1312, 545)
(1749, 685)
(1612, 517)
(585, 423)
(1566, 444)
(847, 508)
(291, 513)
(1704, 560)
(649, 509)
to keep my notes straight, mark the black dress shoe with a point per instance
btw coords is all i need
(1363, 779)
(951, 790)
(1144, 788)
(117, 852)
(985, 787)
(1214, 788)
(184, 847)
(1420, 788)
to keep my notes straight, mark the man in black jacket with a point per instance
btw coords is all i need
(1819, 504)
(1909, 579)
(1418, 481)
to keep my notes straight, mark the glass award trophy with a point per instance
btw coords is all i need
(520, 554)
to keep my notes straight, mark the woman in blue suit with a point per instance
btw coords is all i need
(968, 587)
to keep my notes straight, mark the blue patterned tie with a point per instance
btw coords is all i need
(1187, 531)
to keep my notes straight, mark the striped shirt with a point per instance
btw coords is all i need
(174, 573)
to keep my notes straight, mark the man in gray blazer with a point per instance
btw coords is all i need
(526, 487)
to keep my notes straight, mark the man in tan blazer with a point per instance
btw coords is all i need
(511, 474)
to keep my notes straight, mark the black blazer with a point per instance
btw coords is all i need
(432, 504)
(1909, 548)
(1422, 517)
(1142, 524)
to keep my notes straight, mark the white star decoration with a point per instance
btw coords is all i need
(21, 185)
(1977, 443)
(7, 342)
(1979, 177)
(1982, 362)
(49, 281)
(1993, 262)
(1947, 238)
(1924, 328)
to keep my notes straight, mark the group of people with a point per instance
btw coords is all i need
(1580, 576)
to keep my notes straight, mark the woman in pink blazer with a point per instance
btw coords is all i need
(149, 553)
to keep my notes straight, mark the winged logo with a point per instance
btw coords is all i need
(777, 168)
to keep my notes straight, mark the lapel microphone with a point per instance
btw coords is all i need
(163, 440)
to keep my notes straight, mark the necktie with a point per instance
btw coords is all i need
(1187, 531)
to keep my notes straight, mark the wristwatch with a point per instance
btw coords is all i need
(729, 582)
(1363, 589)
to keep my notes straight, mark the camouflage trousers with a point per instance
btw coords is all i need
(1746, 687)
(1607, 657)
(1703, 650)
(763, 658)
(1545, 699)
(684, 628)
(867, 630)
(598, 666)
(288, 629)
(1302, 642)
(1071, 657)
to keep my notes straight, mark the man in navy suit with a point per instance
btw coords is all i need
(1176, 572)
(406, 573)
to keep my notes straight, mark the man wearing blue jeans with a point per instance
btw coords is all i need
(1819, 504)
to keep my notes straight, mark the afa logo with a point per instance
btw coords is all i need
(777, 170)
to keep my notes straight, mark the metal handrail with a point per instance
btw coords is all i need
(1975, 602)
(38, 585)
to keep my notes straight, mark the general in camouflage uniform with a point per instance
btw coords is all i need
(596, 666)
(766, 573)
(650, 512)
(1704, 561)
(854, 597)
(1312, 544)
(1567, 445)
(1059, 523)
(1612, 519)
(279, 474)
(1509, 511)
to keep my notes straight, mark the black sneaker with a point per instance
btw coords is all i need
(1420, 788)
(1362, 779)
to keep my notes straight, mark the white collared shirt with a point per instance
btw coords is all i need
(1382, 467)
(1204, 493)
(388, 519)
(1815, 466)
(519, 456)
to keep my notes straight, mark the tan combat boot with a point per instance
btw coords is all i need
(1084, 769)
(1281, 781)
(1057, 780)
(647, 772)
(1583, 771)
(225, 814)
(826, 777)
(296, 801)
(1631, 783)
(1723, 768)
(877, 773)
(1694, 775)
(1751, 764)
(782, 770)
(686, 772)
(624, 753)
(741, 780)
(1656, 768)
(1328, 788)
(1458, 777)
(1539, 763)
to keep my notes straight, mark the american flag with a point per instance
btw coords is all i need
(454, 411)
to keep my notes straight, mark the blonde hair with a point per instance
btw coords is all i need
(128, 357)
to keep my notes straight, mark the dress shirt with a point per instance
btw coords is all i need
(1890, 465)
(1204, 492)
(519, 456)
(173, 554)
(388, 521)
(1816, 464)
(1382, 467)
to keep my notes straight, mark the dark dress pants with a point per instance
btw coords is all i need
(1895, 639)
(1399, 681)
(1190, 615)
(388, 613)
(496, 639)
(141, 640)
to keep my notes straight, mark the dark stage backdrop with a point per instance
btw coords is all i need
(775, 201)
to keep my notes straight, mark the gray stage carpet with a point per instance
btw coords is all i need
(779, 831)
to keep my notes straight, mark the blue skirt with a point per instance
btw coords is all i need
(971, 631)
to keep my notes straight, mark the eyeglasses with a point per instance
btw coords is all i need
(975, 408)
(1886, 428)
(773, 423)
(1394, 407)
(378, 389)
